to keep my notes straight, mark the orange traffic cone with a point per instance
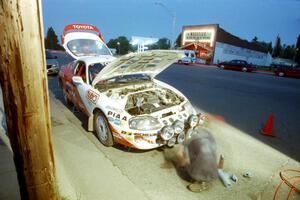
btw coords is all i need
(268, 129)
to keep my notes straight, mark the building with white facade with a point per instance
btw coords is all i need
(213, 44)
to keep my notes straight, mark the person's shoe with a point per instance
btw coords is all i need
(198, 187)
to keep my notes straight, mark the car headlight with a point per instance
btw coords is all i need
(193, 120)
(178, 126)
(167, 132)
(188, 107)
(181, 138)
(189, 133)
(144, 123)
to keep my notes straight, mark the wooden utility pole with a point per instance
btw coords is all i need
(25, 95)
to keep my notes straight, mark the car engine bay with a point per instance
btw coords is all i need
(152, 100)
(145, 98)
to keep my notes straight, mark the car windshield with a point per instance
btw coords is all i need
(122, 81)
(87, 47)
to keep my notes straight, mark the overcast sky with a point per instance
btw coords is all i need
(244, 18)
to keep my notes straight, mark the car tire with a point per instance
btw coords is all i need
(222, 67)
(67, 100)
(244, 69)
(281, 74)
(102, 130)
(179, 62)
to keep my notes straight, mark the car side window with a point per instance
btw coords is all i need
(80, 71)
(94, 69)
(74, 65)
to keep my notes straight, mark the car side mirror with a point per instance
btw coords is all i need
(77, 80)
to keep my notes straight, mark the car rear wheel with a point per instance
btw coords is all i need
(179, 62)
(102, 130)
(281, 74)
(222, 67)
(244, 69)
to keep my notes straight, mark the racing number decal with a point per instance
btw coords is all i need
(92, 96)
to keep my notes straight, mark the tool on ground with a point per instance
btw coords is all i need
(225, 177)
(248, 175)
(221, 162)
(234, 178)
(268, 129)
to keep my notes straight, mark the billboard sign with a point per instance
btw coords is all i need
(200, 35)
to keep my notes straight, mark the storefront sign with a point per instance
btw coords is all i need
(198, 36)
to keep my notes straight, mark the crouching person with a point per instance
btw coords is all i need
(197, 156)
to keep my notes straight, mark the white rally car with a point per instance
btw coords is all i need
(123, 101)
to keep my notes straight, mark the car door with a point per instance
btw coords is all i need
(233, 65)
(78, 92)
(239, 65)
(297, 71)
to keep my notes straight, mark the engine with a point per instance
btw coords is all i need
(151, 100)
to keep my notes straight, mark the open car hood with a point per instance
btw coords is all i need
(82, 40)
(149, 62)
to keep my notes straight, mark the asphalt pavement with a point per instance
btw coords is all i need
(245, 100)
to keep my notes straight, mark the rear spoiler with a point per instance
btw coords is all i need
(81, 28)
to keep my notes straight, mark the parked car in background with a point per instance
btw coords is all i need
(239, 65)
(52, 63)
(190, 57)
(293, 71)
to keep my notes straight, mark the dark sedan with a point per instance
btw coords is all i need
(240, 65)
(287, 71)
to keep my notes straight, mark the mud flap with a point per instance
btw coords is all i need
(91, 123)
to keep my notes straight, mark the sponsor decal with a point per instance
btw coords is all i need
(116, 115)
(139, 136)
(126, 133)
(82, 27)
(92, 96)
(123, 122)
(142, 137)
(117, 122)
(110, 119)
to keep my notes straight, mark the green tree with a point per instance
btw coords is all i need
(178, 41)
(255, 39)
(288, 52)
(266, 45)
(162, 43)
(121, 44)
(297, 53)
(277, 48)
(51, 41)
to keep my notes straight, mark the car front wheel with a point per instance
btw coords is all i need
(102, 130)
(244, 69)
(222, 67)
(281, 74)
